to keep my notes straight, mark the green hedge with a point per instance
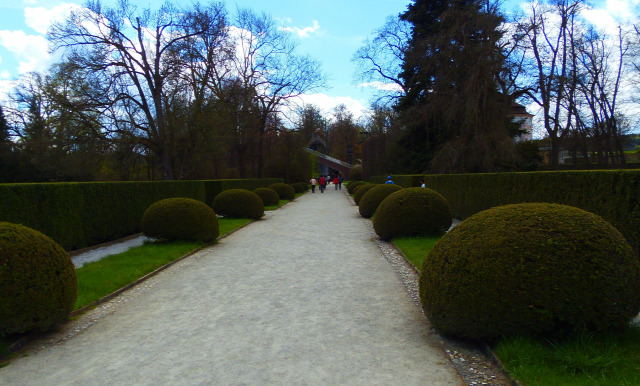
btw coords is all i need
(406, 181)
(78, 215)
(612, 194)
(214, 187)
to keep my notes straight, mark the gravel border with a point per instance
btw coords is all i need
(474, 361)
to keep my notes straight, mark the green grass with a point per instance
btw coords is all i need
(282, 202)
(228, 225)
(416, 249)
(589, 359)
(100, 278)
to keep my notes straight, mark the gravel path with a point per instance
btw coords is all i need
(303, 297)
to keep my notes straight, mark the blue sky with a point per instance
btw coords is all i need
(329, 30)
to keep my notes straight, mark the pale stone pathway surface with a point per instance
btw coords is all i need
(303, 297)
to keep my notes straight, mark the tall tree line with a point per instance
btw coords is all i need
(455, 68)
(181, 92)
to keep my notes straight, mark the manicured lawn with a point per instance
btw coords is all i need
(100, 278)
(415, 249)
(282, 202)
(605, 359)
(590, 359)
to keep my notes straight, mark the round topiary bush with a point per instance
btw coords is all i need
(412, 212)
(285, 191)
(536, 269)
(355, 173)
(38, 285)
(352, 185)
(238, 203)
(360, 190)
(371, 199)
(180, 219)
(300, 187)
(268, 196)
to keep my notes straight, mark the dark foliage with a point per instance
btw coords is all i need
(536, 269)
(38, 285)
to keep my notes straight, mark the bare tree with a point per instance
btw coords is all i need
(599, 86)
(266, 66)
(135, 52)
(380, 59)
(548, 32)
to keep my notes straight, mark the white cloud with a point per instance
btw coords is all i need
(384, 86)
(303, 32)
(40, 18)
(326, 103)
(31, 51)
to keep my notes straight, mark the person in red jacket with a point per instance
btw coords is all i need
(322, 183)
(336, 181)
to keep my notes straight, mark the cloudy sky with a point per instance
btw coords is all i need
(329, 30)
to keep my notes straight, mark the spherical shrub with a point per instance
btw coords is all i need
(38, 285)
(352, 185)
(536, 269)
(360, 190)
(355, 173)
(371, 199)
(300, 187)
(285, 191)
(238, 203)
(412, 212)
(268, 196)
(180, 219)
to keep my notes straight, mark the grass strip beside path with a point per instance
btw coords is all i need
(101, 278)
(415, 249)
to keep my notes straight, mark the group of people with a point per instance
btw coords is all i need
(323, 181)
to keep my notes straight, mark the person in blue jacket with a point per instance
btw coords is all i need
(389, 180)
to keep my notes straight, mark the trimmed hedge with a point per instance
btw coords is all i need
(214, 187)
(351, 186)
(408, 181)
(239, 203)
(181, 218)
(38, 285)
(612, 194)
(533, 269)
(268, 196)
(372, 199)
(285, 191)
(78, 215)
(412, 212)
(360, 190)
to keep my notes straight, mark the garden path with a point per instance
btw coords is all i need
(302, 297)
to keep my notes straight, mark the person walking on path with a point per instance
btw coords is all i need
(336, 181)
(322, 183)
(313, 185)
(340, 179)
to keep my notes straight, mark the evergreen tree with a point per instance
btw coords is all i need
(454, 117)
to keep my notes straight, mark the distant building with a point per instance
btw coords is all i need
(519, 113)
